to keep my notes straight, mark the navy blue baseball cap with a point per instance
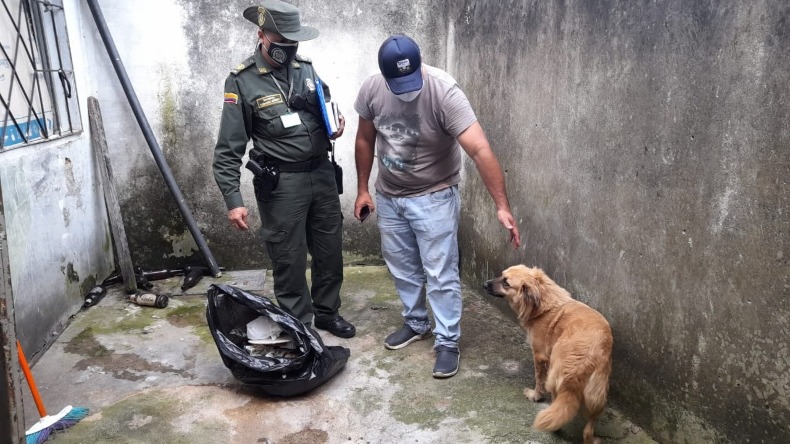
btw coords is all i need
(400, 63)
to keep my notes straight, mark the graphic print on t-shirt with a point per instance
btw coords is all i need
(402, 134)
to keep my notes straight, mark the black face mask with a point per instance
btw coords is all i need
(282, 53)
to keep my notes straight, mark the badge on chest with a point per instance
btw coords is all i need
(290, 119)
(267, 101)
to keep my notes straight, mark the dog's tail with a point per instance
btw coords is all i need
(562, 409)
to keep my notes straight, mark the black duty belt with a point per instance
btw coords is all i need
(297, 167)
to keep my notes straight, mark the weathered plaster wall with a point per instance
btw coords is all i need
(645, 146)
(647, 150)
(59, 243)
(154, 50)
(177, 54)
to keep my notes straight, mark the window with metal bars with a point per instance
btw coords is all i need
(37, 92)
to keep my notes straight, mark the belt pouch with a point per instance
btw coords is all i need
(338, 177)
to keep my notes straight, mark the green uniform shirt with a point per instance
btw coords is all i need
(253, 108)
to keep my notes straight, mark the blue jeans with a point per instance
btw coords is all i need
(419, 242)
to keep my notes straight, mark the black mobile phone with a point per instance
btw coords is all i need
(364, 213)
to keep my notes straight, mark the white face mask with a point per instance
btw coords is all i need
(409, 96)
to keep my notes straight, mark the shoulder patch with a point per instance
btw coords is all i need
(232, 98)
(302, 58)
(243, 65)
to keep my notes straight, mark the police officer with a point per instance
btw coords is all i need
(271, 98)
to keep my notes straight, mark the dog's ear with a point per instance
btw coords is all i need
(531, 294)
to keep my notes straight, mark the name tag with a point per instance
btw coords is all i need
(290, 119)
(267, 101)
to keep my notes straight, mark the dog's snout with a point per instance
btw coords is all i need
(489, 287)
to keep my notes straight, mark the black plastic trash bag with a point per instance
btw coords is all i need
(228, 312)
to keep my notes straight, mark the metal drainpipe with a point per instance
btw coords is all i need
(149, 136)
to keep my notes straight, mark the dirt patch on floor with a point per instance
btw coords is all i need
(128, 366)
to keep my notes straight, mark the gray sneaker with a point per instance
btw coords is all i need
(404, 337)
(447, 359)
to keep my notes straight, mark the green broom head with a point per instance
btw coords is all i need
(50, 423)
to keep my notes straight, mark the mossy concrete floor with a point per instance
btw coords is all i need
(154, 376)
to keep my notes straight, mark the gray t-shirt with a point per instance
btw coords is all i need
(416, 141)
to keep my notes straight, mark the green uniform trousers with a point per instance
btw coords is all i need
(303, 215)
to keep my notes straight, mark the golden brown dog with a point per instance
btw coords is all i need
(571, 347)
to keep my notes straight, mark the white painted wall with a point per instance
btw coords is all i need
(58, 236)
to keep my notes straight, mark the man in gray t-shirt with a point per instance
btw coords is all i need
(414, 117)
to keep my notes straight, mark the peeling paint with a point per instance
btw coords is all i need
(70, 273)
(183, 244)
(168, 109)
(72, 183)
(724, 208)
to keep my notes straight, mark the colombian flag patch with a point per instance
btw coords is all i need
(231, 98)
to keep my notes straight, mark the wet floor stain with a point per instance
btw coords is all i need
(128, 366)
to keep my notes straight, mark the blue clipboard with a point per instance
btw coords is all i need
(327, 114)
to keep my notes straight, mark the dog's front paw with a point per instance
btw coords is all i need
(533, 395)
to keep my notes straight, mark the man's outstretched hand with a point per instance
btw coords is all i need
(507, 221)
(238, 218)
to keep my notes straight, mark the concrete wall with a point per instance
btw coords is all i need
(647, 149)
(59, 243)
(178, 54)
(645, 146)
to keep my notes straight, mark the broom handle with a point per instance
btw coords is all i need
(30, 381)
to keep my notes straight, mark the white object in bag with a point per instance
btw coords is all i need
(263, 328)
